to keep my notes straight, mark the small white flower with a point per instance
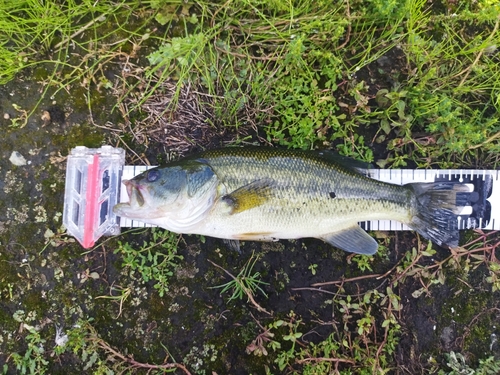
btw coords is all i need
(61, 337)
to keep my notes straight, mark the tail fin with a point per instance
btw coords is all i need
(436, 211)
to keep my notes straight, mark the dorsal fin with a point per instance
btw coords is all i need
(347, 162)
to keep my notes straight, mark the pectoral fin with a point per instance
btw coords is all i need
(249, 196)
(353, 240)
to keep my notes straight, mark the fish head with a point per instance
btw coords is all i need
(173, 192)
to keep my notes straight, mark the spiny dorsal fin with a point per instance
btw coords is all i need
(345, 161)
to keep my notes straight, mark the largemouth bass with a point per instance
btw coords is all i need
(266, 194)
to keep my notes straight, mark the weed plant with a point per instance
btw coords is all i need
(90, 353)
(367, 325)
(306, 68)
(246, 283)
(457, 364)
(154, 260)
(300, 64)
(354, 341)
(66, 43)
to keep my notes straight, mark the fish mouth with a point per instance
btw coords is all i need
(136, 199)
(135, 206)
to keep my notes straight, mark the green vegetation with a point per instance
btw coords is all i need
(457, 364)
(81, 342)
(305, 68)
(359, 347)
(398, 82)
(63, 43)
(155, 260)
(245, 283)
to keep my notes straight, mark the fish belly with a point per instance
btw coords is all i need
(271, 222)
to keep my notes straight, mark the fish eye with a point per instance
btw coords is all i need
(153, 175)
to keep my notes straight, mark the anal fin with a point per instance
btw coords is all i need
(353, 240)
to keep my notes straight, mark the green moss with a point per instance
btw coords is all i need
(33, 301)
(9, 287)
(7, 271)
(81, 135)
(469, 312)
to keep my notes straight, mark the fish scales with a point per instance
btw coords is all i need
(303, 186)
(259, 193)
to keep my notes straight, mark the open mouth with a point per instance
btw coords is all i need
(135, 196)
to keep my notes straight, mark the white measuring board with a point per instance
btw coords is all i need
(482, 211)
